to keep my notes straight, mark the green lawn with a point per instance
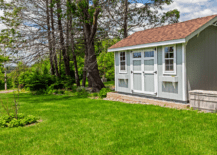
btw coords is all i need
(85, 126)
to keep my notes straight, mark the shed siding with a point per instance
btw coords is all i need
(201, 60)
(167, 89)
(123, 80)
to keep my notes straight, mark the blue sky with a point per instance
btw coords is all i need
(190, 9)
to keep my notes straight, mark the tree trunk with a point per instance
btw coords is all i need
(49, 39)
(73, 51)
(85, 65)
(90, 83)
(6, 86)
(93, 72)
(62, 46)
(75, 62)
(60, 61)
(125, 19)
(75, 66)
(90, 29)
(54, 42)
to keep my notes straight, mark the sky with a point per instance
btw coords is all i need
(190, 9)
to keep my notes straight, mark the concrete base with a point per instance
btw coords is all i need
(142, 100)
(203, 100)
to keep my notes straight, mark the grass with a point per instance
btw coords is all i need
(84, 126)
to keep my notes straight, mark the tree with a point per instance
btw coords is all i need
(65, 30)
(62, 42)
(49, 38)
(125, 16)
(3, 68)
(89, 17)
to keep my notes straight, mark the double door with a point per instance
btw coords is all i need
(144, 72)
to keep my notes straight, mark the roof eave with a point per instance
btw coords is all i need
(209, 23)
(149, 45)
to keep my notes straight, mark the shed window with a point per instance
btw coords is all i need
(123, 83)
(137, 55)
(149, 54)
(169, 58)
(123, 66)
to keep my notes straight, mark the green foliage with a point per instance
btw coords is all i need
(95, 94)
(22, 120)
(2, 71)
(40, 92)
(2, 83)
(81, 92)
(172, 15)
(106, 60)
(67, 92)
(50, 90)
(61, 91)
(106, 65)
(38, 79)
(103, 92)
(35, 80)
(55, 91)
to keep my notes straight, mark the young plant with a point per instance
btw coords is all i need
(81, 92)
(103, 92)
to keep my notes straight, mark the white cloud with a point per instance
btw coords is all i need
(190, 9)
(191, 1)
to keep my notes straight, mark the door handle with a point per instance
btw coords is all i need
(155, 72)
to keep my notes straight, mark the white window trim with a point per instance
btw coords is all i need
(174, 62)
(122, 71)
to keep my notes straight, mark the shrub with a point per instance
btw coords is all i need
(13, 123)
(74, 89)
(22, 120)
(49, 91)
(103, 92)
(81, 92)
(67, 92)
(95, 94)
(55, 91)
(61, 91)
(41, 91)
(3, 123)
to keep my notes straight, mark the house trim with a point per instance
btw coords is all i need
(170, 42)
(156, 69)
(119, 57)
(174, 63)
(211, 22)
(184, 75)
(131, 69)
(115, 73)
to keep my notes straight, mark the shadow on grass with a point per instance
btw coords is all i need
(39, 99)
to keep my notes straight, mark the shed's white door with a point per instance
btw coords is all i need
(144, 72)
